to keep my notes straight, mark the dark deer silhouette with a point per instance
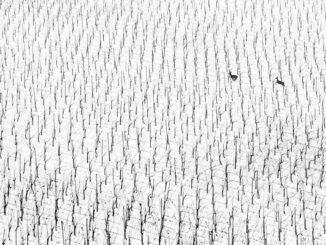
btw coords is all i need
(233, 77)
(278, 81)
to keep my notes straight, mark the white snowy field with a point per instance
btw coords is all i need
(119, 123)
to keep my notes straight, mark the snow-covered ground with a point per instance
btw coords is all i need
(119, 123)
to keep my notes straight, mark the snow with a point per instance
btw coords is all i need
(119, 123)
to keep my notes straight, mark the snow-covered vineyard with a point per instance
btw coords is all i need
(120, 122)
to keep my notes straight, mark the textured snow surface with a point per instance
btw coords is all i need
(119, 123)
